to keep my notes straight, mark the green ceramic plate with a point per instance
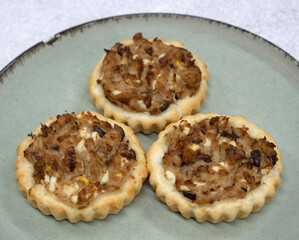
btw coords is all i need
(248, 76)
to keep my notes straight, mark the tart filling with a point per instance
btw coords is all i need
(80, 159)
(212, 160)
(147, 77)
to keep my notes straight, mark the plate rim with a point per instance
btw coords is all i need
(8, 70)
(31, 50)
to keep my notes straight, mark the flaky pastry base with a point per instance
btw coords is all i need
(100, 207)
(223, 210)
(144, 122)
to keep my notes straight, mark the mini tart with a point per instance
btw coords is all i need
(213, 167)
(80, 167)
(148, 83)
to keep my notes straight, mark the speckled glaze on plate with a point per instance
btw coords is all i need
(248, 76)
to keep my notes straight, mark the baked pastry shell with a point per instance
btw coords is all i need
(100, 207)
(224, 210)
(144, 122)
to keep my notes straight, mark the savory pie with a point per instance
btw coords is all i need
(214, 167)
(80, 166)
(148, 83)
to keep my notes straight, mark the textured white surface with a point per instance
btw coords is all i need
(25, 23)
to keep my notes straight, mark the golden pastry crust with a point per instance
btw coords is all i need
(103, 204)
(143, 121)
(223, 209)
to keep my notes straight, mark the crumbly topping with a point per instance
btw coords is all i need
(79, 157)
(148, 76)
(211, 160)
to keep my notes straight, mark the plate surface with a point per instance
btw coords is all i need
(248, 76)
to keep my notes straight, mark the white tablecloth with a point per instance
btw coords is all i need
(24, 23)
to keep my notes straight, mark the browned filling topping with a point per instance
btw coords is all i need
(148, 76)
(79, 157)
(211, 160)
